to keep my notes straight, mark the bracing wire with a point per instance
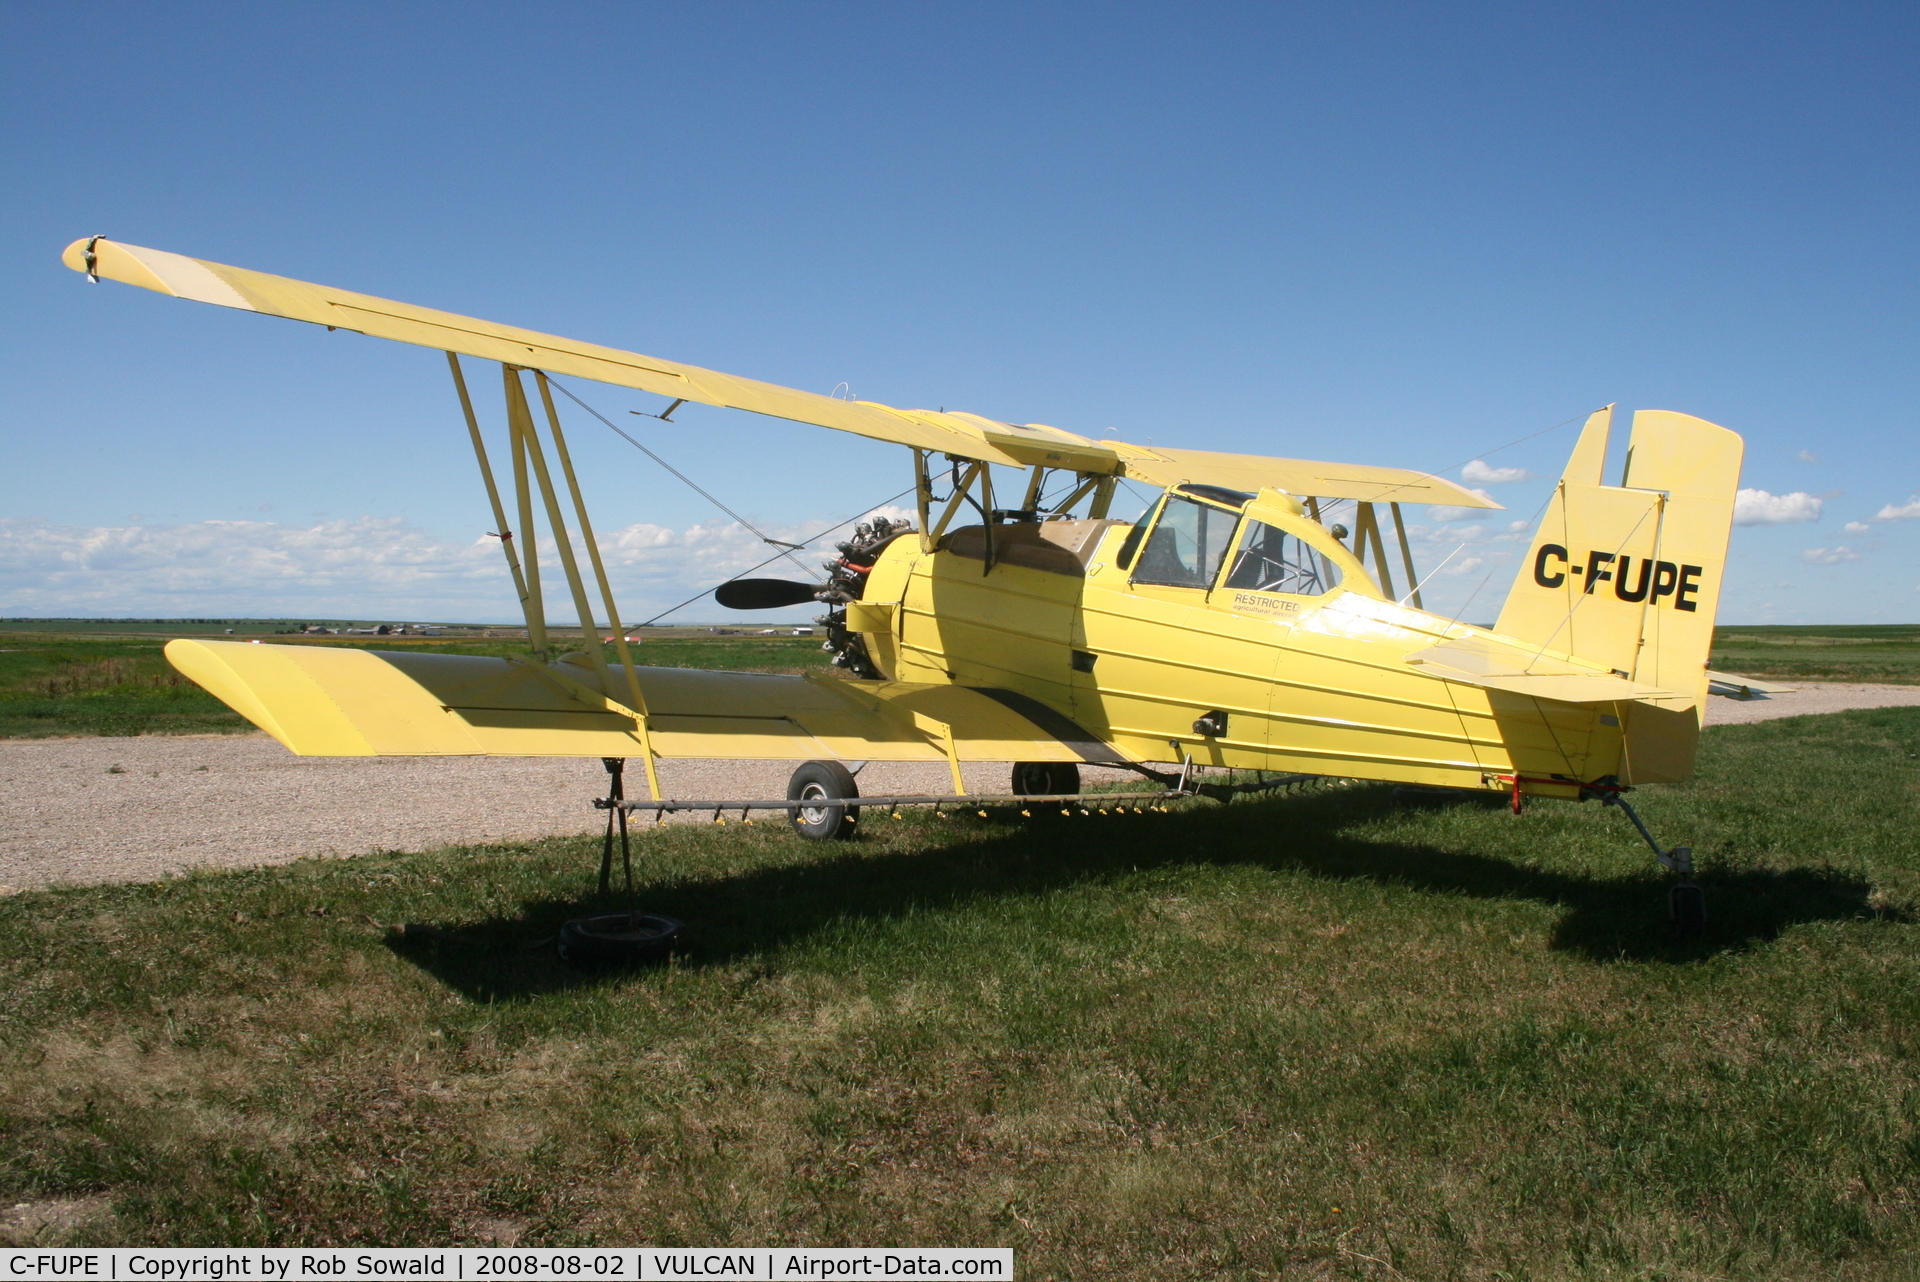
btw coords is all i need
(1382, 497)
(770, 560)
(1146, 501)
(1582, 598)
(689, 481)
(1414, 591)
(1529, 525)
(1497, 567)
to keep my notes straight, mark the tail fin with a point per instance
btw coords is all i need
(1628, 576)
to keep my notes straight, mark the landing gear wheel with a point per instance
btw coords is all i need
(1045, 778)
(1688, 907)
(617, 939)
(813, 784)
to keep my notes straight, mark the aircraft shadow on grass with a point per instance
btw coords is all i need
(1605, 919)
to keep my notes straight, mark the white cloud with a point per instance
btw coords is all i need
(1467, 566)
(369, 567)
(1460, 513)
(1478, 473)
(1829, 556)
(235, 567)
(1909, 512)
(1858, 527)
(1808, 456)
(1757, 507)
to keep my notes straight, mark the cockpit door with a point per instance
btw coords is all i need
(1157, 666)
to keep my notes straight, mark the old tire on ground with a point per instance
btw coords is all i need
(1046, 778)
(609, 940)
(817, 782)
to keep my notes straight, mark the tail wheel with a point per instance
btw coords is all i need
(814, 785)
(1045, 778)
(1688, 905)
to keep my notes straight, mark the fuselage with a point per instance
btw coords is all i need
(1311, 681)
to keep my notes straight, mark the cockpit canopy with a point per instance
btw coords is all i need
(1263, 541)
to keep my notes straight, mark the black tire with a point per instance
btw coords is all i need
(1045, 778)
(611, 940)
(1688, 907)
(816, 782)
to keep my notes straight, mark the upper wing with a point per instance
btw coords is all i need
(321, 701)
(963, 435)
(1369, 484)
(252, 291)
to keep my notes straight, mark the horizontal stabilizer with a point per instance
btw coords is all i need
(1480, 661)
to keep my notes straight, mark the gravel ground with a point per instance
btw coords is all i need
(92, 810)
(1809, 696)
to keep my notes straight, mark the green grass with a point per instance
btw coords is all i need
(60, 684)
(1325, 1035)
(1876, 653)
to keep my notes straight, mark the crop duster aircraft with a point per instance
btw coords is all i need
(1230, 627)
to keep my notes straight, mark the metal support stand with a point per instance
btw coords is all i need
(1686, 904)
(616, 813)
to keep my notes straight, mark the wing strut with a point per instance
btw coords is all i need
(637, 700)
(529, 470)
(505, 533)
(1367, 539)
(1406, 558)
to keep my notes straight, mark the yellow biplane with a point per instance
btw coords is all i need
(1231, 627)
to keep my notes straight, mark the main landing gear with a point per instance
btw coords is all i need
(822, 790)
(814, 784)
(1045, 778)
(1686, 903)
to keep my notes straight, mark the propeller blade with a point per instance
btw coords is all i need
(763, 594)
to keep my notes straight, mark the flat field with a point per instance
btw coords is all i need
(1881, 654)
(119, 683)
(1325, 1035)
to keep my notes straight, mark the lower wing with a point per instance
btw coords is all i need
(325, 702)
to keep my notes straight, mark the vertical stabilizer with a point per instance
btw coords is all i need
(1628, 576)
(1588, 462)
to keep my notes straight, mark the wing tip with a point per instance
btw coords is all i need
(75, 255)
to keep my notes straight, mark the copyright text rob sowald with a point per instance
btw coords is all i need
(538, 1264)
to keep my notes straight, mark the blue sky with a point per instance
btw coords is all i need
(1401, 234)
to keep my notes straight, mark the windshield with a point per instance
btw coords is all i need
(1187, 544)
(1271, 560)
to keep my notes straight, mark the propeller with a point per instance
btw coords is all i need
(763, 594)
